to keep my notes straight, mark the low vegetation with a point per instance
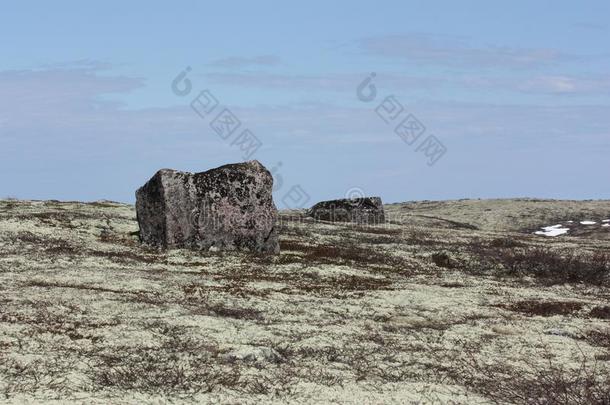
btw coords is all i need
(537, 381)
(546, 264)
(431, 308)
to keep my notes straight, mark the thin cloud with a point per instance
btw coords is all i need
(80, 64)
(72, 98)
(568, 85)
(541, 84)
(449, 51)
(42, 91)
(591, 26)
(241, 62)
(331, 82)
(54, 127)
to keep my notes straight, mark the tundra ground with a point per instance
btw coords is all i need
(450, 302)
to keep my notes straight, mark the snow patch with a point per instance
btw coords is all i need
(552, 231)
(588, 222)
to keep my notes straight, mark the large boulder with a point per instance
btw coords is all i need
(227, 208)
(366, 210)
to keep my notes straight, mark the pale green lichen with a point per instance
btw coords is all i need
(89, 315)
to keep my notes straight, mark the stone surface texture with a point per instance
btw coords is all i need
(227, 208)
(366, 210)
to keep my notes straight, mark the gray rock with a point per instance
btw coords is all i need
(562, 332)
(227, 208)
(366, 210)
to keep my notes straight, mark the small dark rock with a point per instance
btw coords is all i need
(366, 210)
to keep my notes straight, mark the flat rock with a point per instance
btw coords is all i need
(227, 208)
(366, 210)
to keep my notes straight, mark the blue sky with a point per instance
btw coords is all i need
(518, 93)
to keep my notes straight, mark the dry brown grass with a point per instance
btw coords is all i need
(548, 265)
(600, 312)
(349, 254)
(544, 308)
(444, 259)
(181, 365)
(535, 383)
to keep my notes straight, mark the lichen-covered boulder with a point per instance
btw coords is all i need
(227, 208)
(366, 210)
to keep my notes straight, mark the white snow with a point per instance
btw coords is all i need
(606, 220)
(606, 225)
(588, 222)
(553, 231)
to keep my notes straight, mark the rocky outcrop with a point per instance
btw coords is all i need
(366, 210)
(227, 208)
